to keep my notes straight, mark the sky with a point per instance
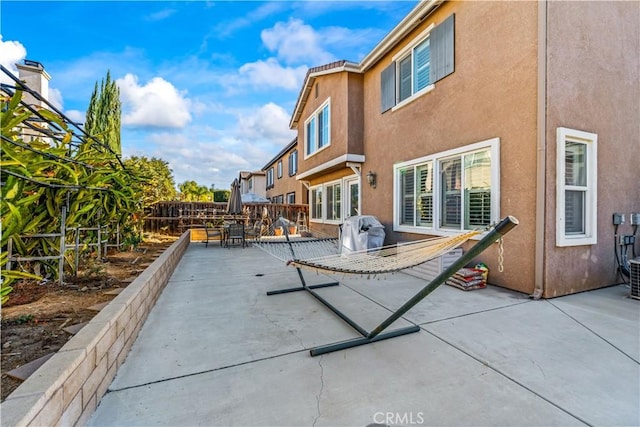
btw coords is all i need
(208, 86)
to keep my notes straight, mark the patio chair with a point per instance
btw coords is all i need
(258, 230)
(212, 233)
(235, 233)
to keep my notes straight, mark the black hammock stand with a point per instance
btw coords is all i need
(378, 334)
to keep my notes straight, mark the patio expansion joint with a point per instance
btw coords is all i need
(507, 377)
(206, 371)
(475, 312)
(319, 396)
(593, 332)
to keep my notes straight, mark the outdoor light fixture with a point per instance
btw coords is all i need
(371, 179)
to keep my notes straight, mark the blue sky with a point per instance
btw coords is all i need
(207, 86)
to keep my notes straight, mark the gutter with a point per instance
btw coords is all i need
(541, 187)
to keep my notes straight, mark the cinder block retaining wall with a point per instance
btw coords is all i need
(68, 387)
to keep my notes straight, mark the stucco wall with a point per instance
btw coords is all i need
(334, 86)
(492, 93)
(287, 184)
(593, 84)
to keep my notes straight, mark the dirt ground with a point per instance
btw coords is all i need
(35, 315)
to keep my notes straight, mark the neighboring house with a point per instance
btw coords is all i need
(33, 74)
(470, 111)
(253, 182)
(281, 183)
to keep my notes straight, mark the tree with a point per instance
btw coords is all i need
(104, 114)
(191, 191)
(152, 179)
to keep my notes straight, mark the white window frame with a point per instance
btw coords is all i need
(404, 53)
(314, 118)
(291, 198)
(590, 235)
(344, 211)
(279, 168)
(293, 163)
(493, 145)
(270, 182)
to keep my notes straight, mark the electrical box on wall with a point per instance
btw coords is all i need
(635, 218)
(618, 218)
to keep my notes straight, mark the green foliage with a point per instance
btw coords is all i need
(191, 191)
(40, 176)
(153, 180)
(221, 195)
(104, 114)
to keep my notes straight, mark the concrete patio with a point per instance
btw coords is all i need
(215, 350)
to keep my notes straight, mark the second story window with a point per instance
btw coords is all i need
(270, 178)
(279, 169)
(414, 70)
(317, 130)
(293, 163)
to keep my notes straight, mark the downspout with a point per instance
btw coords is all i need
(541, 159)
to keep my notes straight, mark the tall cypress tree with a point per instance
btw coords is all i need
(104, 114)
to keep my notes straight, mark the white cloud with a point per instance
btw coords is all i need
(156, 104)
(296, 42)
(55, 97)
(76, 115)
(269, 122)
(226, 28)
(10, 53)
(161, 15)
(271, 73)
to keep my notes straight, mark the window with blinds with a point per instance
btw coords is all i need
(317, 130)
(454, 190)
(428, 59)
(576, 182)
(334, 198)
(316, 203)
(477, 189)
(424, 208)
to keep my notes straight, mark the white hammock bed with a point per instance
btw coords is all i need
(322, 255)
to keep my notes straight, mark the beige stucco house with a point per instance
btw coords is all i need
(281, 183)
(470, 111)
(252, 182)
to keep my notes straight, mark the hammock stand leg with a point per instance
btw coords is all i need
(502, 228)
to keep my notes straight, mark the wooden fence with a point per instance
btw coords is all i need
(174, 217)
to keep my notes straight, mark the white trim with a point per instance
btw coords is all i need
(411, 21)
(413, 97)
(355, 158)
(414, 42)
(312, 116)
(590, 236)
(494, 147)
(342, 182)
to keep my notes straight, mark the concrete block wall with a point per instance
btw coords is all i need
(66, 390)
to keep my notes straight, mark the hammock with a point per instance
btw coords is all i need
(383, 260)
(323, 254)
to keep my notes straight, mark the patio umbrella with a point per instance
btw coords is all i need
(234, 205)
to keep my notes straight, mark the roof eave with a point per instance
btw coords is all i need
(412, 20)
(308, 84)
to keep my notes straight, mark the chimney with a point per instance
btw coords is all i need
(32, 73)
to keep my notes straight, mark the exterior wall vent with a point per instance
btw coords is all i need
(429, 270)
(634, 267)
